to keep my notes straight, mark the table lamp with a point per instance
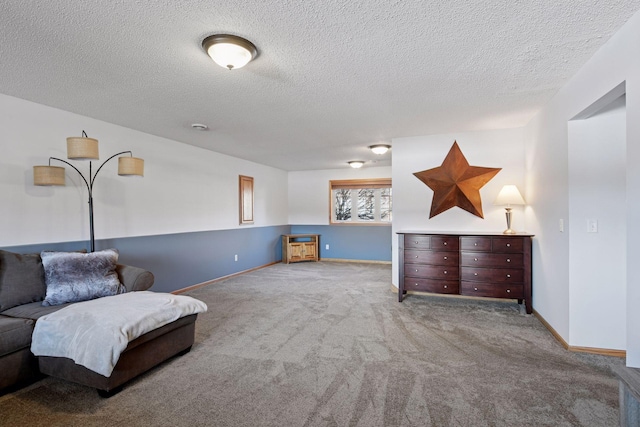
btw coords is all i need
(508, 196)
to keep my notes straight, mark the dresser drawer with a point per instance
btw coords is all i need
(431, 272)
(479, 259)
(444, 243)
(507, 244)
(491, 290)
(474, 243)
(431, 285)
(417, 241)
(433, 258)
(494, 275)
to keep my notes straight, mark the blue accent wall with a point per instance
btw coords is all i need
(185, 259)
(352, 242)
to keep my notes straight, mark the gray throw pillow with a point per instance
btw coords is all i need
(21, 279)
(73, 277)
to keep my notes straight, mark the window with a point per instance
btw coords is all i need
(361, 201)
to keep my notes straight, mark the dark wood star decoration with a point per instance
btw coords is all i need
(455, 183)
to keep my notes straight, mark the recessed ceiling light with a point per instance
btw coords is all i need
(199, 126)
(356, 164)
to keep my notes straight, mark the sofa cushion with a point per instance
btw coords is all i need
(33, 311)
(73, 277)
(21, 279)
(15, 334)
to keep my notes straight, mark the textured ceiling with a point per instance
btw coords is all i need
(331, 78)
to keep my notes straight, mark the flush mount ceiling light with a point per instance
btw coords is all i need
(379, 148)
(229, 51)
(356, 164)
(199, 126)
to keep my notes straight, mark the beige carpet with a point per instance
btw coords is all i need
(327, 344)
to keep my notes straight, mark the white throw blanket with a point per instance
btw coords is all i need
(94, 333)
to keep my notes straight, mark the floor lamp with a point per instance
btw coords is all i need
(85, 148)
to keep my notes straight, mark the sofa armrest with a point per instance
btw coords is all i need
(134, 278)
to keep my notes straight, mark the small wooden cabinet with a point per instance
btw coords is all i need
(299, 247)
(483, 265)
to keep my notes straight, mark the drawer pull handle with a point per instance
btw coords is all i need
(445, 272)
(445, 243)
(508, 260)
(475, 289)
(475, 274)
(475, 244)
(508, 276)
(416, 242)
(416, 284)
(445, 257)
(445, 286)
(416, 256)
(416, 270)
(508, 290)
(475, 259)
(508, 245)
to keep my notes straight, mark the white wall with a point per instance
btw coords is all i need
(547, 161)
(184, 189)
(309, 191)
(412, 198)
(597, 260)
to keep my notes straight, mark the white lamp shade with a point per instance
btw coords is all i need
(229, 55)
(509, 195)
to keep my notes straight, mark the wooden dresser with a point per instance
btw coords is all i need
(482, 265)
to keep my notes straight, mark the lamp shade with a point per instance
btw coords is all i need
(81, 148)
(509, 195)
(48, 175)
(229, 51)
(379, 148)
(130, 166)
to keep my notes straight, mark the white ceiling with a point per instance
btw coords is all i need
(331, 78)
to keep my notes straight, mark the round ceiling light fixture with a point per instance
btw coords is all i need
(356, 164)
(379, 148)
(199, 126)
(229, 51)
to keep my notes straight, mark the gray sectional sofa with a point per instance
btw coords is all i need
(22, 290)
